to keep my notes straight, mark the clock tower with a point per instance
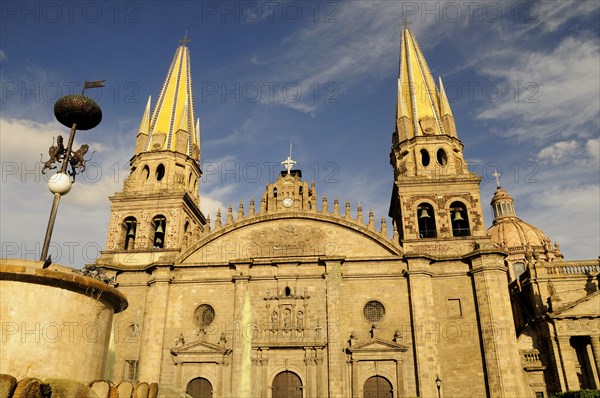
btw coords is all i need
(289, 192)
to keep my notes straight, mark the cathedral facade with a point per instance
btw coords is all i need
(298, 296)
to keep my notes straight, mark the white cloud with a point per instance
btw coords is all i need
(558, 151)
(568, 214)
(2, 56)
(593, 148)
(558, 91)
(210, 207)
(82, 221)
(551, 15)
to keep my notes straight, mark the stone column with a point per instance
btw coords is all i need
(237, 360)
(221, 382)
(400, 379)
(501, 354)
(319, 362)
(264, 367)
(424, 327)
(590, 354)
(335, 357)
(595, 343)
(355, 385)
(555, 361)
(152, 346)
(569, 360)
(310, 375)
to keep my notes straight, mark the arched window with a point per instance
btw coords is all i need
(129, 227)
(160, 172)
(497, 210)
(424, 157)
(378, 387)
(442, 158)
(159, 223)
(459, 219)
(199, 388)
(146, 172)
(426, 219)
(287, 385)
(186, 234)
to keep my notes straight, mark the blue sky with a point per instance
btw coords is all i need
(522, 77)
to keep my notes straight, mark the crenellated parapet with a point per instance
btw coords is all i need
(291, 196)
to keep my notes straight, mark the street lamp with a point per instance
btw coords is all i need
(76, 112)
(438, 384)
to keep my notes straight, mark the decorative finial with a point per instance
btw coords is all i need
(185, 40)
(289, 163)
(497, 176)
(406, 23)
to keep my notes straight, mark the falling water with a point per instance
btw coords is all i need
(110, 356)
(245, 385)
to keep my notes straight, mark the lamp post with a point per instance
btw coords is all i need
(438, 384)
(77, 112)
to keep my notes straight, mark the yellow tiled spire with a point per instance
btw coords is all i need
(174, 109)
(420, 104)
(141, 141)
(446, 112)
(196, 137)
(145, 123)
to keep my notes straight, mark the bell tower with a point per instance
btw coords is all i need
(436, 208)
(435, 196)
(158, 208)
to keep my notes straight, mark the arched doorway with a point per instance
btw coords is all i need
(287, 385)
(199, 388)
(378, 387)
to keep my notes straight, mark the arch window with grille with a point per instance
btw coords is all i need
(204, 315)
(374, 311)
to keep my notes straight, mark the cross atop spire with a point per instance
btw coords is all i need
(185, 40)
(406, 23)
(497, 176)
(289, 163)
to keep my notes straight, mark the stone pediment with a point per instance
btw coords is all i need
(199, 352)
(378, 345)
(588, 306)
(291, 234)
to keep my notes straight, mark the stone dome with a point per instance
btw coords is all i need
(513, 233)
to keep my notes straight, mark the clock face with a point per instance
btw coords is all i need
(288, 202)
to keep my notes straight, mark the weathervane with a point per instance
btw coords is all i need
(289, 163)
(77, 112)
(497, 176)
